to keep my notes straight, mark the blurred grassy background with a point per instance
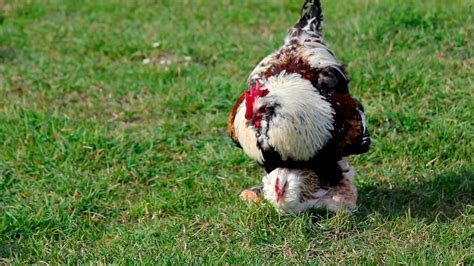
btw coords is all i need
(106, 159)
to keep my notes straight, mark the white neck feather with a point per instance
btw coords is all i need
(303, 119)
(247, 135)
(300, 127)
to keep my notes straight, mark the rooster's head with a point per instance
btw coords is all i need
(251, 96)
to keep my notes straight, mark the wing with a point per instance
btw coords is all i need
(351, 135)
(310, 186)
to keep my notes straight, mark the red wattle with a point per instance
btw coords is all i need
(248, 105)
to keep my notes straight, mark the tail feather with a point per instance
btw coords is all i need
(311, 17)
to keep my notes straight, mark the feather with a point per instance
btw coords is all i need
(311, 16)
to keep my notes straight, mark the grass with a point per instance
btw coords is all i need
(106, 159)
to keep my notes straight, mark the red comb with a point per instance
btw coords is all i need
(250, 96)
(277, 189)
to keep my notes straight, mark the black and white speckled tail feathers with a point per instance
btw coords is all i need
(311, 17)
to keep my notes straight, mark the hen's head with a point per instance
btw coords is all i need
(282, 185)
(278, 183)
(251, 96)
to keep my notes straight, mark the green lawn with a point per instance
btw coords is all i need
(106, 159)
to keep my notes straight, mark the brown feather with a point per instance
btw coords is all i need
(348, 123)
(230, 120)
(310, 185)
(289, 59)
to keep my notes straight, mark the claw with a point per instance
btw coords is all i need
(249, 195)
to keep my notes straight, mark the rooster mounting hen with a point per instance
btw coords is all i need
(297, 112)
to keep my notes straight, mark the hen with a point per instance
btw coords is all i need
(296, 190)
(297, 112)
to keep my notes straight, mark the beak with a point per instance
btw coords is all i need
(279, 195)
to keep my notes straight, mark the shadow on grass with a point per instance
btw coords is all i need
(442, 198)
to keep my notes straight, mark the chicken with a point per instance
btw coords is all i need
(296, 190)
(297, 112)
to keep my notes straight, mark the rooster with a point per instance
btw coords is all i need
(297, 112)
(296, 190)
